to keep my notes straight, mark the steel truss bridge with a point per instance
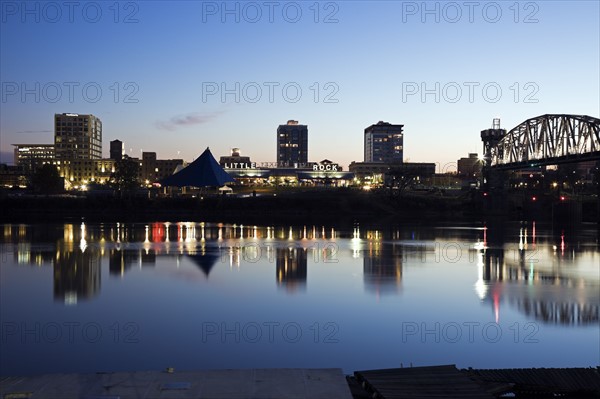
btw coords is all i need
(544, 140)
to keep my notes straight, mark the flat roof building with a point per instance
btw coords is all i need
(378, 173)
(470, 166)
(235, 160)
(77, 136)
(384, 143)
(117, 150)
(78, 172)
(153, 169)
(292, 144)
(30, 156)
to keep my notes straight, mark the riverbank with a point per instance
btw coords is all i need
(333, 206)
(330, 207)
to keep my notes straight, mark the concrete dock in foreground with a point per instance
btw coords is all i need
(230, 384)
(425, 382)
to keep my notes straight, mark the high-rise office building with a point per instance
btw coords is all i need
(77, 136)
(117, 149)
(292, 144)
(384, 143)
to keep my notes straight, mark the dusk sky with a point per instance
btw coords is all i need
(354, 62)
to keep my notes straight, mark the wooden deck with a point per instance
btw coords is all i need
(230, 384)
(421, 382)
(544, 381)
(450, 382)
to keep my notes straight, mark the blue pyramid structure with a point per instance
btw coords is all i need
(203, 172)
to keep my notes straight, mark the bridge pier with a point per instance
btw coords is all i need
(495, 200)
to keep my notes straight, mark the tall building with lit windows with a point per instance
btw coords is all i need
(31, 156)
(292, 144)
(77, 136)
(384, 143)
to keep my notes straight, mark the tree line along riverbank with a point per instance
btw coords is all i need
(314, 206)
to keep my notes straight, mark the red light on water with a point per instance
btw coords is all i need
(485, 194)
(534, 198)
(562, 198)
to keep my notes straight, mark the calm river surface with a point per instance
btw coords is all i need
(105, 297)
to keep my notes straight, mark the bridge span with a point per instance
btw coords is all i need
(548, 139)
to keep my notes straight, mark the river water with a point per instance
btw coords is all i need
(81, 297)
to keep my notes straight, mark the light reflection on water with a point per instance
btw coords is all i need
(200, 295)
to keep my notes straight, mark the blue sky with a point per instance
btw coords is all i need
(355, 63)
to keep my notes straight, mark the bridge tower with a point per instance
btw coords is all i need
(490, 138)
(494, 200)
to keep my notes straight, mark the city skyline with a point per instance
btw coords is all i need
(326, 198)
(166, 87)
